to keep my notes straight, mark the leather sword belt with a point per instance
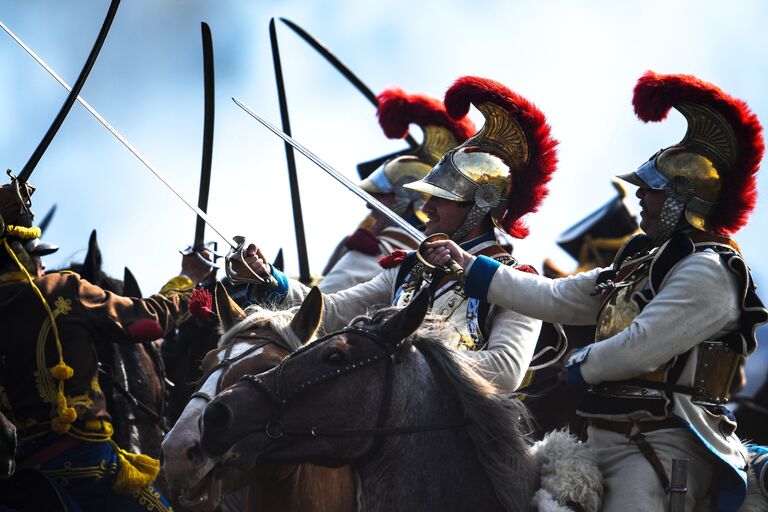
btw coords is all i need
(626, 427)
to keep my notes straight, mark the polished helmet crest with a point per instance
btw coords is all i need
(502, 170)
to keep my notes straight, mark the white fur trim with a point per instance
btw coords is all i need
(569, 472)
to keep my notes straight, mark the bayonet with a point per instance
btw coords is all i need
(298, 218)
(237, 244)
(340, 67)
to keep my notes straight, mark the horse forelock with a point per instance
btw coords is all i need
(277, 320)
(496, 421)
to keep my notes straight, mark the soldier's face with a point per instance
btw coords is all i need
(651, 202)
(385, 199)
(445, 216)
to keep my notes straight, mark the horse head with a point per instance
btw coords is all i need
(251, 343)
(391, 399)
(341, 379)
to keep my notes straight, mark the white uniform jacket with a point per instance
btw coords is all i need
(699, 299)
(511, 336)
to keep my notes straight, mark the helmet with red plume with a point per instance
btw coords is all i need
(397, 110)
(504, 168)
(709, 176)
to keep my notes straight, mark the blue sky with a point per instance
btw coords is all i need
(578, 61)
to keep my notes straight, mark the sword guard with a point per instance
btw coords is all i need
(237, 254)
(452, 268)
(197, 251)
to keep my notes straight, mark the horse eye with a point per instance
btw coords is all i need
(335, 357)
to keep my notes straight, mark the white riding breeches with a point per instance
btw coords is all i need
(630, 482)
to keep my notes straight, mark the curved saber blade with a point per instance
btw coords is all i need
(67, 106)
(349, 184)
(340, 67)
(210, 103)
(293, 180)
(123, 140)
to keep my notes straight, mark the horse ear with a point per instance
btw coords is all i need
(130, 284)
(229, 313)
(405, 322)
(307, 320)
(92, 262)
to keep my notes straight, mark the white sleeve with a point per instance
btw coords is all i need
(352, 268)
(341, 307)
(697, 300)
(511, 342)
(569, 300)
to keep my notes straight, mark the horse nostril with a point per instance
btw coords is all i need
(217, 416)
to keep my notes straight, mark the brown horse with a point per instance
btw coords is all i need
(424, 430)
(252, 343)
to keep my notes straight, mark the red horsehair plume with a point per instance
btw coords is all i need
(201, 304)
(397, 110)
(529, 184)
(655, 94)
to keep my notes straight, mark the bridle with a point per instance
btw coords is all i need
(226, 362)
(274, 428)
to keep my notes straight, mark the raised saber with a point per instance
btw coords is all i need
(452, 267)
(118, 136)
(70, 100)
(340, 67)
(349, 184)
(236, 243)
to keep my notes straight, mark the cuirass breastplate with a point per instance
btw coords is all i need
(619, 310)
(461, 313)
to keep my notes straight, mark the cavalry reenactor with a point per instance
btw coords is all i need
(676, 313)
(396, 111)
(492, 179)
(48, 381)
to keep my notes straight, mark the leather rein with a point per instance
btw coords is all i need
(225, 363)
(274, 428)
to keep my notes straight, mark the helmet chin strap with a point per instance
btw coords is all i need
(473, 218)
(679, 191)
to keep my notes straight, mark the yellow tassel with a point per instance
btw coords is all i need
(60, 425)
(136, 471)
(62, 371)
(22, 232)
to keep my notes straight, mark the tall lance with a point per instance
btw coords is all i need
(377, 205)
(236, 243)
(199, 244)
(26, 171)
(365, 168)
(298, 218)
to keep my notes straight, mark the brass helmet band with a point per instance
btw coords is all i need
(391, 177)
(680, 189)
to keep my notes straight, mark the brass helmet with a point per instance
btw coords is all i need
(504, 168)
(396, 112)
(709, 176)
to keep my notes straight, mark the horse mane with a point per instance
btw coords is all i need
(279, 320)
(496, 421)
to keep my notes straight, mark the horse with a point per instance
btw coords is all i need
(251, 343)
(752, 416)
(131, 375)
(421, 426)
(8, 445)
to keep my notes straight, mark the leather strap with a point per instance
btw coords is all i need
(625, 427)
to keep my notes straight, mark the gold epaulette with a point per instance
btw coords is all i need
(180, 285)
